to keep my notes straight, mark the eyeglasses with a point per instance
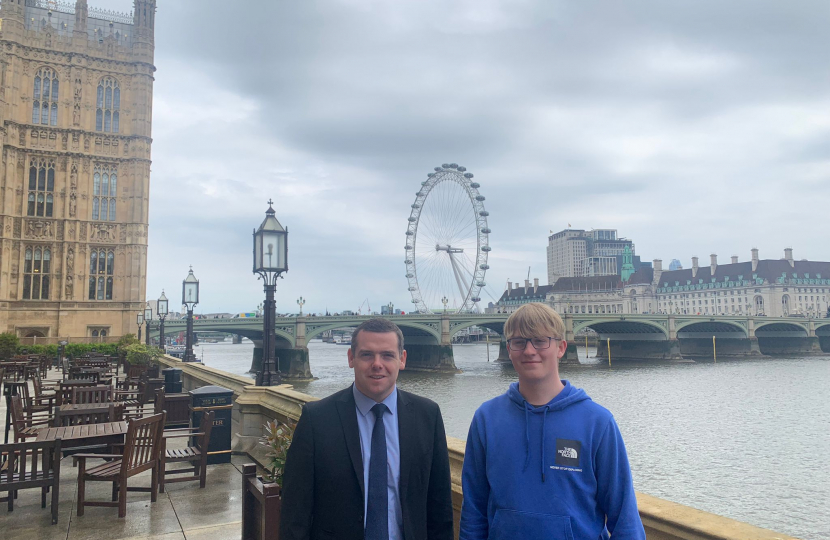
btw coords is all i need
(519, 343)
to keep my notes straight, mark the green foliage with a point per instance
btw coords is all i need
(74, 350)
(125, 341)
(8, 345)
(276, 440)
(48, 350)
(142, 355)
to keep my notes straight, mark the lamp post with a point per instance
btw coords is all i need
(445, 301)
(190, 297)
(148, 316)
(161, 310)
(301, 303)
(139, 319)
(270, 260)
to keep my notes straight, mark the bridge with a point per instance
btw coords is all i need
(428, 338)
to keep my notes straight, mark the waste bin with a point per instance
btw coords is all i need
(219, 400)
(172, 380)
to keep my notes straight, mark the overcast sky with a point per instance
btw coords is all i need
(692, 127)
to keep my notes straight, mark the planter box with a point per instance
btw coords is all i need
(261, 507)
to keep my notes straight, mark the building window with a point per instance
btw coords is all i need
(41, 188)
(37, 268)
(45, 98)
(101, 264)
(104, 188)
(108, 106)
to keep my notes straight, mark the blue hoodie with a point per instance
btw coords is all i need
(555, 472)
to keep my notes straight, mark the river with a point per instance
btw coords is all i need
(746, 439)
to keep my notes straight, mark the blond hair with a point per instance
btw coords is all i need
(534, 320)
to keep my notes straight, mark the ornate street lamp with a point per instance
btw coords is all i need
(270, 260)
(139, 319)
(445, 301)
(190, 297)
(301, 303)
(148, 316)
(161, 310)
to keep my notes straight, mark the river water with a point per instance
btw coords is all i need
(746, 439)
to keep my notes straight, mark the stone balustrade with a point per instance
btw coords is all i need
(254, 405)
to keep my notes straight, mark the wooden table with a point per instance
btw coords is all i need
(85, 435)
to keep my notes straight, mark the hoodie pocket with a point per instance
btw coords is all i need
(516, 525)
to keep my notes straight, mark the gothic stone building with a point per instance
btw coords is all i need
(76, 94)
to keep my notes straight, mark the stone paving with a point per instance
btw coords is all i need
(184, 512)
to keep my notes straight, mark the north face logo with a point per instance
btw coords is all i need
(569, 453)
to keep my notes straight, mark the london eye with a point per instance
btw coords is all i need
(447, 242)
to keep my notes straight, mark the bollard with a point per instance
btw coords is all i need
(608, 342)
(714, 350)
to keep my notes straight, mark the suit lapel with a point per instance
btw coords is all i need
(406, 440)
(348, 419)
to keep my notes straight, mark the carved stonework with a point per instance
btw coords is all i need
(17, 226)
(70, 271)
(123, 237)
(73, 204)
(60, 230)
(103, 232)
(82, 232)
(71, 235)
(23, 137)
(39, 229)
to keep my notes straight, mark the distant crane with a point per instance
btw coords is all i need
(368, 307)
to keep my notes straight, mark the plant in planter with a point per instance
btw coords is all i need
(276, 440)
(138, 354)
(8, 345)
(261, 502)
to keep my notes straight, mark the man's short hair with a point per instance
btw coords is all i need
(534, 320)
(378, 326)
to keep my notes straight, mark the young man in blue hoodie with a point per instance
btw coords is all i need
(543, 461)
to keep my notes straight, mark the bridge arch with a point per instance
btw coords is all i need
(495, 324)
(823, 329)
(780, 329)
(641, 328)
(410, 330)
(722, 329)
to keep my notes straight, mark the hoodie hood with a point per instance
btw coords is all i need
(567, 397)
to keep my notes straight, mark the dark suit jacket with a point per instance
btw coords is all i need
(323, 482)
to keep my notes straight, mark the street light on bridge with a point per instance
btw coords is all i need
(301, 303)
(148, 316)
(161, 310)
(190, 297)
(270, 261)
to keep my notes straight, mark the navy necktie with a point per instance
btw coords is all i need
(377, 511)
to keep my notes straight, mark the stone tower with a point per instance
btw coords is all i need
(76, 89)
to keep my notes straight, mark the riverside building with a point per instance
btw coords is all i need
(76, 88)
(580, 253)
(770, 287)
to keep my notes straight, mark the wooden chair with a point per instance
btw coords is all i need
(32, 465)
(64, 392)
(23, 427)
(92, 394)
(80, 373)
(195, 455)
(34, 405)
(141, 453)
(113, 413)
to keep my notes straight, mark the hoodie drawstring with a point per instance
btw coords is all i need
(544, 424)
(527, 437)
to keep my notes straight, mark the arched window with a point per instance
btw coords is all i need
(37, 269)
(108, 105)
(45, 97)
(41, 187)
(104, 184)
(101, 270)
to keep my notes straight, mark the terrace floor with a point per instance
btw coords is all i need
(184, 512)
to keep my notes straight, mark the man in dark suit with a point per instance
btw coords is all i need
(369, 462)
